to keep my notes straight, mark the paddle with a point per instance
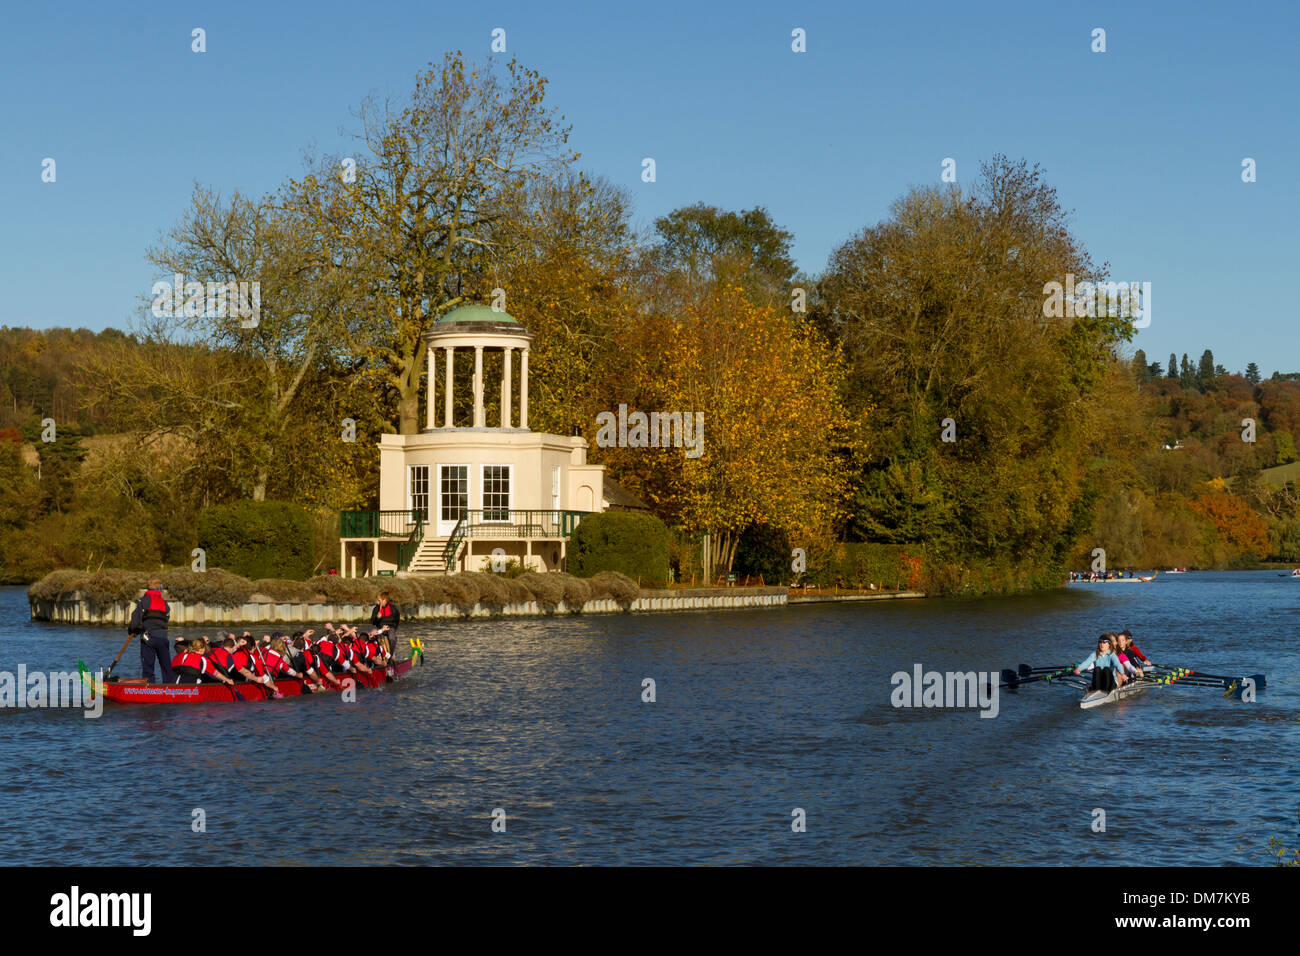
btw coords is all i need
(1259, 679)
(109, 673)
(1025, 670)
(1012, 680)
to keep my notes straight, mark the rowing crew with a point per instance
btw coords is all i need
(1116, 660)
(314, 661)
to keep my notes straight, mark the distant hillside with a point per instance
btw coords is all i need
(1278, 476)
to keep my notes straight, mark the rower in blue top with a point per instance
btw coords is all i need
(1107, 672)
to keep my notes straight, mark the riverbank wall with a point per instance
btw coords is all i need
(73, 608)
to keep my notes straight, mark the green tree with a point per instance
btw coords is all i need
(700, 247)
(1205, 371)
(1141, 368)
(1252, 374)
(60, 467)
(940, 313)
(423, 214)
(1173, 366)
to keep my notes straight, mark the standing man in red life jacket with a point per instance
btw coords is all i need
(386, 617)
(149, 620)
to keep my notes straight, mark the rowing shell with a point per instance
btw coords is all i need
(138, 692)
(1131, 688)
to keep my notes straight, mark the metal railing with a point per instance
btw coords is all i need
(379, 524)
(478, 523)
(452, 549)
(406, 550)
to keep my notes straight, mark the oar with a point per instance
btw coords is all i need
(1184, 677)
(109, 673)
(1012, 680)
(1259, 679)
(1025, 670)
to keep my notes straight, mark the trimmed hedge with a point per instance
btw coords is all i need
(632, 544)
(463, 590)
(259, 539)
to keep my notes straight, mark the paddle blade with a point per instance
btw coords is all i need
(1009, 677)
(1025, 670)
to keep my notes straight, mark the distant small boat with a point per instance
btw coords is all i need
(1136, 579)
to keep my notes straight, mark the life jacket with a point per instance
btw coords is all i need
(276, 664)
(222, 659)
(250, 661)
(153, 608)
(384, 610)
(190, 664)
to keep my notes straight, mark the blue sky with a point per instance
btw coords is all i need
(1144, 141)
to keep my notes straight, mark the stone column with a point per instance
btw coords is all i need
(523, 388)
(447, 374)
(478, 386)
(505, 389)
(432, 390)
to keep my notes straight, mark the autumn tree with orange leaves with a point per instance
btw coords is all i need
(1239, 527)
(774, 432)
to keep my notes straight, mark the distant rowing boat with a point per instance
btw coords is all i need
(1137, 579)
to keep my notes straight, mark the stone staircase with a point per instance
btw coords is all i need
(429, 557)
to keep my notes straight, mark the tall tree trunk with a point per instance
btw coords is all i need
(408, 395)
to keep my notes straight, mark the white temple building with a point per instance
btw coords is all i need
(465, 490)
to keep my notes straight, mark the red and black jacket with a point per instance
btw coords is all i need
(151, 613)
(330, 654)
(248, 659)
(276, 665)
(223, 660)
(196, 667)
(385, 615)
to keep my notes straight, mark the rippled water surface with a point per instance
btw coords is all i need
(758, 712)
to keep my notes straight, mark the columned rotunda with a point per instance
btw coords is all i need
(463, 493)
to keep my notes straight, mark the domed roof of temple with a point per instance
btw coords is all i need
(477, 313)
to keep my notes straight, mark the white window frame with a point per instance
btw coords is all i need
(510, 493)
(446, 524)
(410, 492)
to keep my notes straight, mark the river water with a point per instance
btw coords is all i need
(758, 713)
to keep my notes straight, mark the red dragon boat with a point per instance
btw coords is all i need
(136, 691)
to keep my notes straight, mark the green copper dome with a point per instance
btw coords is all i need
(477, 313)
